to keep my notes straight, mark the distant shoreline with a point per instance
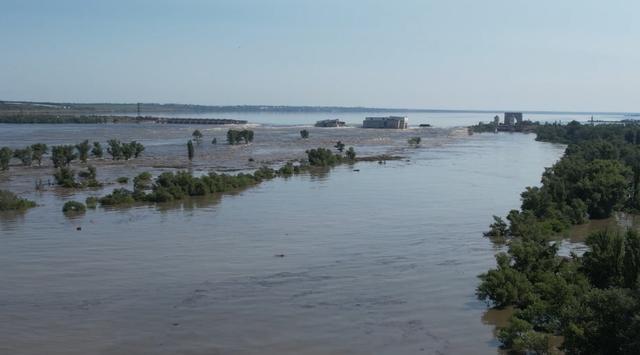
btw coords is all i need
(32, 107)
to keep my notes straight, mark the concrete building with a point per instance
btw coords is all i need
(330, 123)
(512, 118)
(393, 122)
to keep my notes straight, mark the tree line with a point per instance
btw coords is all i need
(63, 155)
(592, 300)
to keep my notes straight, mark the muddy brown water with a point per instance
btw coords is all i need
(382, 260)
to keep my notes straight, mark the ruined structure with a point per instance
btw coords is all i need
(393, 122)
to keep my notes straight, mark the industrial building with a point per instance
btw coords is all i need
(392, 122)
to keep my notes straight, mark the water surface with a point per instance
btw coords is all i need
(384, 260)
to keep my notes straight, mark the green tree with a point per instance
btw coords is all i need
(38, 151)
(10, 202)
(304, 134)
(83, 150)
(339, 146)
(63, 155)
(351, 154)
(115, 149)
(190, 150)
(24, 155)
(197, 135)
(97, 150)
(5, 157)
(65, 177)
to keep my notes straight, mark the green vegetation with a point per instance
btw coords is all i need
(83, 150)
(592, 300)
(126, 151)
(415, 141)
(304, 134)
(63, 155)
(24, 155)
(5, 157)
(142, 181)
(97, 150)
(176, 186)
(214, 141)
(73, 207)
(117, 197)
(322, 157)
(197, 136)
(122, 180)
(351, 154)
(190, 151)
(10, 202)
(38, 151)
(339, 146)
(65, 177)
(91, 202)
(237, 137)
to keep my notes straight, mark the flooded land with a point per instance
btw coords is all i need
(360, 259)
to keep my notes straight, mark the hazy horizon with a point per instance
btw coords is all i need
(462, 55)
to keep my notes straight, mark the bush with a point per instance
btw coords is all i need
(10, 202)
(322, 157)
(24, 155)
(414, 140)
(97, 150)
(38, 150)
(63, 155)
(65, 177)
(117, 197)
(73, 207)
(83, 150)
(91, 202)
(237, 137)
(5, 157)
(351, 154)
(122, 180)
(304, 134)
(142, 181)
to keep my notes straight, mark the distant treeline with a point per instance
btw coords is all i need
(591, 301)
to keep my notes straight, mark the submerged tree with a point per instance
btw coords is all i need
(83, 150)
(339, 146)
(197, 135)
(351, 153)
(304, 134)
(190, 150)
(24, 155)
(5, 157)
(38, 150)
(97, 150)
(63, 155)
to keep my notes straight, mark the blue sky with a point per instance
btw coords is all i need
(528, 55)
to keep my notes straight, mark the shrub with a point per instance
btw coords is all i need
(91, 202)
(73, 207)
(5, 157)
(414, 140)
(304, 134)
(65, 177)
(10, 202)
(38, 150)
(117, 197)
(122, 180)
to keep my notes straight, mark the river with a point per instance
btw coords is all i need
(371, 258)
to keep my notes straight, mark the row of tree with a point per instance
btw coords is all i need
(592, 301)
(63, 155)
